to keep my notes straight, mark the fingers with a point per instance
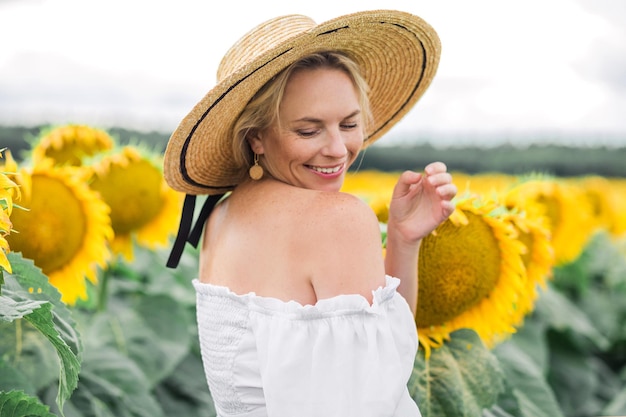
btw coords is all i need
(406, 182)
(435, 167)
(447, 207)
(447, 191)
(410, 177)
(438, 178)
(437, 174)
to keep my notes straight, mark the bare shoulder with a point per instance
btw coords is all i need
(345, 209)
(347, 246)
(345, 217)
(296, 244)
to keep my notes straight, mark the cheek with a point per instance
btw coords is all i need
(355, 143)
(354, 146)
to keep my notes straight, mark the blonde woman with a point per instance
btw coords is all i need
(298, 312)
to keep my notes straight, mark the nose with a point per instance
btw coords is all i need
(335, 145)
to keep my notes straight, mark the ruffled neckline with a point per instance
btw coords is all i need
(338, 305)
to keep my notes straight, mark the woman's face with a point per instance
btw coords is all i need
(320, 131)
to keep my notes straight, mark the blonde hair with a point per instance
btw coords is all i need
(263, 109)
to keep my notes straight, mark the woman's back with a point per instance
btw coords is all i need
(292, 243)
(295, 313)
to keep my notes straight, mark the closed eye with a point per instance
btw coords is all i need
(307, 133)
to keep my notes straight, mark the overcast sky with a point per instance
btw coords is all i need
(508, 68)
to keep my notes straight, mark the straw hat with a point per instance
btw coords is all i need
(397, 52)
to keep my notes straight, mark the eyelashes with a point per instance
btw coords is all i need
(307, 133)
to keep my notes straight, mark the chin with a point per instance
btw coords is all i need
(335, 186)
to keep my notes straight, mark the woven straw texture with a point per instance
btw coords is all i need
(398, 54)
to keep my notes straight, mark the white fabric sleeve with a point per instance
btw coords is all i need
(339, 357)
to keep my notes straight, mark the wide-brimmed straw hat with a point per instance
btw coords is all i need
(397, 53)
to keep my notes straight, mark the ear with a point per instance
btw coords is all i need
(255, 140)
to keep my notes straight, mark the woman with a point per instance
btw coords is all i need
(299, 314)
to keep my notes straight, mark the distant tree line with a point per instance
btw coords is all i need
(19, 138)
(555, 160)
(548, 159)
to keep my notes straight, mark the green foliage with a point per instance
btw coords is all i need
(141, 352)
(19, 404)
(28, 296)
(133, 350)
(568, 358)
(527, 392)
(572, 347)
(137, 354)
(457, 380)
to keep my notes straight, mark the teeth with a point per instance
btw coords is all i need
(327, 170)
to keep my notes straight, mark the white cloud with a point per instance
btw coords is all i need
(506, 66)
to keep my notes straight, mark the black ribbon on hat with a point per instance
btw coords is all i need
(187, 233)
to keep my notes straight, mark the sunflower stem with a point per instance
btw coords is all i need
(18, 339)
(104, 290)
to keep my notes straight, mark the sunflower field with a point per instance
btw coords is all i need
(522, 291)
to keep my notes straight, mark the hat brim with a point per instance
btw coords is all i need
(398, 54)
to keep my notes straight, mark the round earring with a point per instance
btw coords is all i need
(256, 170)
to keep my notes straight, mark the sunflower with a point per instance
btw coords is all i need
(64, 230)
(142, 205)
(603, 201)
(618, 198)
(5, 227)
(70, 144)
(488, 185)
(471, 275)
(8, 192)
(532, 231)
(565, 206)
(538, 256)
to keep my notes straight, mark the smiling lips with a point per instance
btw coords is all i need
(326, 170)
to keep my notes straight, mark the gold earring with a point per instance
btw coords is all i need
(256, 170)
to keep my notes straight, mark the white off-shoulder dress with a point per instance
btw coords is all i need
(340, 357)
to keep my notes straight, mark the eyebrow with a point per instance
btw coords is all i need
(314, 120)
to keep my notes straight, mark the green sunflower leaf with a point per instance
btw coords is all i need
(12, 379)
(42, 319)
(527, 390)
(562, 314)
(12, 309)
(28, 361)
(497, 411)
(185, 392)
(114, 385)
(460, 379)
(19, 404)
(150, 330)
(617, 406)
(28, 287)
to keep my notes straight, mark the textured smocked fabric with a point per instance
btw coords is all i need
(340, 357)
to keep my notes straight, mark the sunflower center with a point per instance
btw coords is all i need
(453, 275)
(53, 228)
(133, 193)
(66, 156)
(595, 202)
(552, 209)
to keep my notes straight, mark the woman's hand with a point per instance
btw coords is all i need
(420, 202)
